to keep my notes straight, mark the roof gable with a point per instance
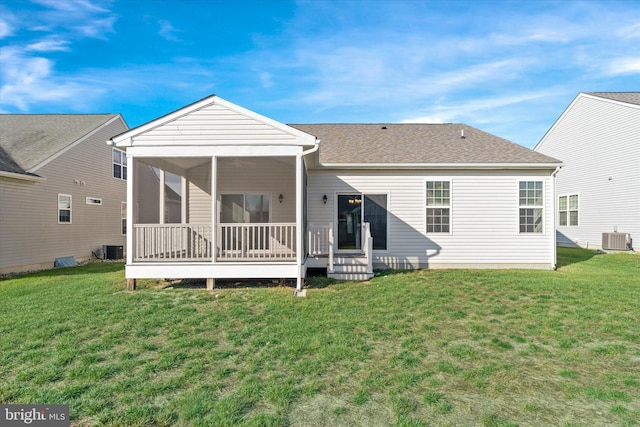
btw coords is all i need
(28, 141)
(417, 144)
(213, 121)
(626, 99)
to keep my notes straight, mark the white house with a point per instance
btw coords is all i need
(598, 189)
(260, 199)
(62, 190)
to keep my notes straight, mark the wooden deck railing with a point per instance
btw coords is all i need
(172, 242)
(256, 242)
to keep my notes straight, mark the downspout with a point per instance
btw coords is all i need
(301, 192)
(555, 219)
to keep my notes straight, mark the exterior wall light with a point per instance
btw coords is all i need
(324, 199)
(281, 198)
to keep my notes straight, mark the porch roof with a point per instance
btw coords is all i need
(417, 144)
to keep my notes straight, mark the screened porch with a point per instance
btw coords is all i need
(252, 217)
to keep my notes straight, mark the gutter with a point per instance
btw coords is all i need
(311, 150)
(555, 166)
(23, 177)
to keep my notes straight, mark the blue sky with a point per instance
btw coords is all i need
(506, 67)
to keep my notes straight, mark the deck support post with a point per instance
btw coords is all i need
(211, 283)
(131, 284)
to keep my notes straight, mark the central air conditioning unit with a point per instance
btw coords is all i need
(113, 251)
(616, 241)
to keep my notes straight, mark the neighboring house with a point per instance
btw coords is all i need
(62, 189)
(262, 199)
(598, 188)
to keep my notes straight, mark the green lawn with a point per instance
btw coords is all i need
(457, 347)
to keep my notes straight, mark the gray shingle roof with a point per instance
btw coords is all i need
(26, 140)
(417, 144)
(628, 97)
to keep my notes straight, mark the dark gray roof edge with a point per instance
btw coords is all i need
(626, 97)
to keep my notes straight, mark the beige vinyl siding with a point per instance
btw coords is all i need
(598, 142)
(30, 236)
(209, 125)
(199, 189)
(484, 217)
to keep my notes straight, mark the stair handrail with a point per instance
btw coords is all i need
(368, 245)
(330, 268)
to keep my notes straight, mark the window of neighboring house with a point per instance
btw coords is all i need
(123, 218)
(438, 206)
(530, 202)
(64, 209)
(568, 208)
(119, 164)
(94, 201)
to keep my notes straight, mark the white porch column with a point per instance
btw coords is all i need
(184, 198)
(299, 221)
(131, 204)
(214, 210)
(161, 197)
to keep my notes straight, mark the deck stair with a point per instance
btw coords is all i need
(350, 268)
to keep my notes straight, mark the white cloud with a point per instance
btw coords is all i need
(167, 31)
(30, 80)
(620, 66)
(72, 5)
(5, 29)
(266, 79)
(476, 110)
(631, 32)
(49, 46)
(97, 28)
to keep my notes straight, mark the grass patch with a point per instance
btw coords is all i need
(458, 347)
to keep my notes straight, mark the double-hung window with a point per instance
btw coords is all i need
(119, 164)
(531, 206)
(438, 206)
(64, 209)
(123, 218)
(568, 208)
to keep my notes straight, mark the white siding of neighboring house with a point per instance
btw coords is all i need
(30, 236)
(484, 217)
(599, 142)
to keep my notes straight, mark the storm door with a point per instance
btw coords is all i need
(352, 211)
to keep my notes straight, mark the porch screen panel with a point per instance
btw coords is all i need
(232, 210)
(257, 206)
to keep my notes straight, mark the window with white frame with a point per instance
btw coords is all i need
(119, 164)
(531, 206)
(64, 209)
(123, 218)
(438, 206)
(95, 201)
(568, 208)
